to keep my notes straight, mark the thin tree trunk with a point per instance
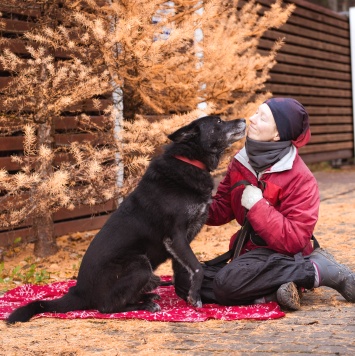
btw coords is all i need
(45, 242)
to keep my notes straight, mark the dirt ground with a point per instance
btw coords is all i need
(324, 326)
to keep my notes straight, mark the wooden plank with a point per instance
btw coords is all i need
(88, 106)
(79, 225)
(313, 12)
(306, 52)
(336, 120)
(317, 31)
(320, 129)
(62, 228)
(18, 46)
(327, 156)
(11, 143)
(308, 81)
(15, 143)
(328, 110)
(84, 211)
(307, 90)
(318, 13)
(11, 166)
(326, 147)
(7, 238)
(331, 137)
(333, 104)
(30, 10)
(4, 81)
(304, 61)
(15, 45)
(339, 103)
(300, 36)
(66, 139)
(71, 123)
(8, 164)
(291, 69)
(310, 23)
(16, 26)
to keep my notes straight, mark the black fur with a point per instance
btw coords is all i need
(157, 221)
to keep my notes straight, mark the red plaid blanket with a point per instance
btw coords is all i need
(173, 308)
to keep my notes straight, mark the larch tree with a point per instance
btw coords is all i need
(157, 57)
(51, 176)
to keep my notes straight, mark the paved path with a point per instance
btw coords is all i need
(324, 326)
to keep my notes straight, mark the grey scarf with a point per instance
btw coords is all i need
(263, 155)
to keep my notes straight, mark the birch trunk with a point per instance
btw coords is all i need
(45, 242)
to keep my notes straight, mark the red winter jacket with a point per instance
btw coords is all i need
(286, 216)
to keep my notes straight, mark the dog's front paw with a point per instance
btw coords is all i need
(196, 302)
(152, 307)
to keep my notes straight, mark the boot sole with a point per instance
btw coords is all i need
(288, 296)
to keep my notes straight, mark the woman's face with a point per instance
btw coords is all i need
(262, 125)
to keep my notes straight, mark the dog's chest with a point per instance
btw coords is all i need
(197, 211)
(197, 215)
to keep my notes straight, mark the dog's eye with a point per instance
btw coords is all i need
(219, 121)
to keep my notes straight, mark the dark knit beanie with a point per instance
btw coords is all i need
(290, 116)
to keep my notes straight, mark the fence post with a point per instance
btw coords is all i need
(352, 55)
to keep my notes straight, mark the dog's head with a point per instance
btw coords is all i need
(211, 134)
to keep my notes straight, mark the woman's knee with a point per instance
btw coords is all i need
(224, 289)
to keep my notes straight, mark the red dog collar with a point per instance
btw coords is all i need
(194, 162)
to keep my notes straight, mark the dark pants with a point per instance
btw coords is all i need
(252, 275)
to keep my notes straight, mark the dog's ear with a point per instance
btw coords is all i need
(185, 133)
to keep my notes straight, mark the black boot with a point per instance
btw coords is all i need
(333, 274)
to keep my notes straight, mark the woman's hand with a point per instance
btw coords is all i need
(251, 195)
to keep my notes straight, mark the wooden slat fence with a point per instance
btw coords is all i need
(313, 67)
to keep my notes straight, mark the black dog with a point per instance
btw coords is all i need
(157, 221)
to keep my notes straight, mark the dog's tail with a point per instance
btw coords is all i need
(64, 304)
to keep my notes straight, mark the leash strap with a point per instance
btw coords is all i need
(234, 252)
(235, 185)
(240, 239)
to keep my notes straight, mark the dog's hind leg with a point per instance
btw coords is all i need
(153, 283)
(127, 292)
